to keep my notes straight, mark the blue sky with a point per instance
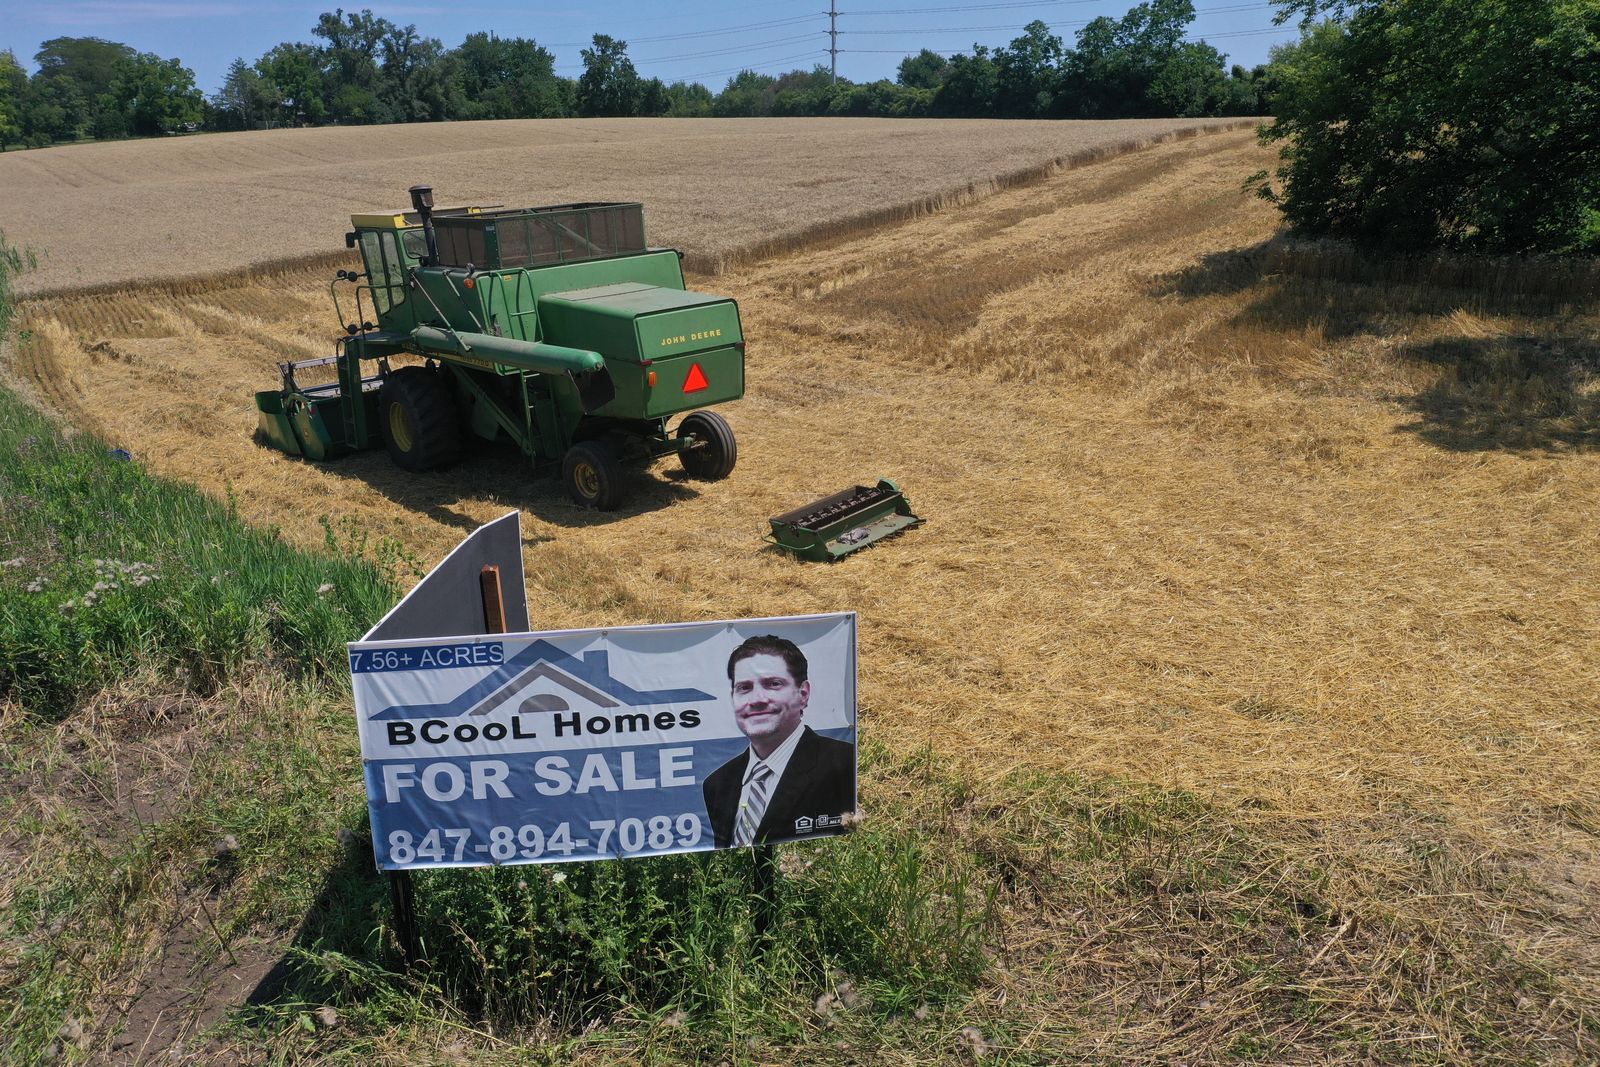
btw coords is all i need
(700, 40)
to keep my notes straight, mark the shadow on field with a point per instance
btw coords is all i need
(1515, 393)
(349, 916)
(1345, 291)
(503, 474)
(1512, 369)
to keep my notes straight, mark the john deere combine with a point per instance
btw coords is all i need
(556, 328)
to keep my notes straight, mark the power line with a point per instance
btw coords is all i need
(769, 63)
(833, 51)
(1246, 33)
(1011, 28)
(745, 49)
(728, 51)
(1192, 39)
(971, 7)
(793, 20)
(942, 29)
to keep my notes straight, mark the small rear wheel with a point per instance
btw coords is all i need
(706, 446)
(420, 427)
(593, 475)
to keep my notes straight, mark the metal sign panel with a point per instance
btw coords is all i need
(597, 744)
(446, 602)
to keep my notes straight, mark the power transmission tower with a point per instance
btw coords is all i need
(833, 41)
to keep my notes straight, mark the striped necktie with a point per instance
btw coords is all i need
(751, 811)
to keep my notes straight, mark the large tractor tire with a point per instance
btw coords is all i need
(593, 475)
(420, 425)
(706, 447)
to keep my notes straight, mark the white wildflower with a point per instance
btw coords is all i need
(975, 1042)
(325, 588)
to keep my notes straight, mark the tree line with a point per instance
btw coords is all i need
(1471, 125)
(361, 68)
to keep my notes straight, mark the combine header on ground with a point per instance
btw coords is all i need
(848, 521)
(556, 328)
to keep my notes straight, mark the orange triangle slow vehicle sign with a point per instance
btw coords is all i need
(696, 380)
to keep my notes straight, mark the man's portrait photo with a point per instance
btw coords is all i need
(791, 782)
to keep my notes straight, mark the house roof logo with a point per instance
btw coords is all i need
(587, 677)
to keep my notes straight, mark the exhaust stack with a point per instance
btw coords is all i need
(422, 200)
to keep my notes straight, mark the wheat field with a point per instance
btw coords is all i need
(1310, 537)
(722, 190)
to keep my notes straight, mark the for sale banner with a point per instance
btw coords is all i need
(599, 744)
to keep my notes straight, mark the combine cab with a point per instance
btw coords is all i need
(556, 328)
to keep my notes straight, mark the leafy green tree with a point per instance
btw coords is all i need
(653, 99)
(746, 94)
(1464, 124)
(354, 44)
(807, 92)
(1110, 73)
(882, 99)
(1249, 92)
(294, 71)
(49, 111)
(1026, 73)
(13, 90)
(420, 80)
(246, 100)
(609, 86)
(156, 95)
(1191, 82)
(689, 100)
(507, 78)
(925, 70)
(969, 87)
(73, 87)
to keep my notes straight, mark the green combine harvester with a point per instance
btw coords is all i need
(556, 328)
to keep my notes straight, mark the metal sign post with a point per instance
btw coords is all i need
(435, 607)
(765, 887)
(402, 890)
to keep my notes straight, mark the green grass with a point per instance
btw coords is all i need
(655, 953)
(13, 261)
(1046, 914)
(106, 571)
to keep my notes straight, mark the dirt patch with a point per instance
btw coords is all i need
(188, 988)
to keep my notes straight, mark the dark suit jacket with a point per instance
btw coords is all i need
(820, 780)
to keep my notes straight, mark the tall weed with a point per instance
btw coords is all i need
(106, 570)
